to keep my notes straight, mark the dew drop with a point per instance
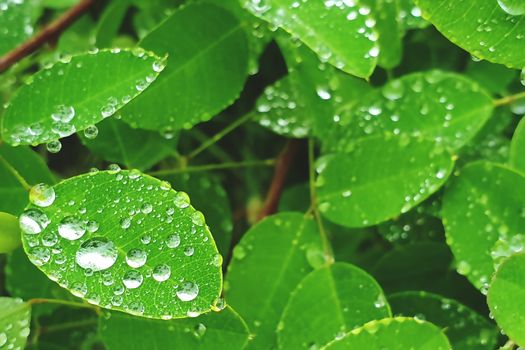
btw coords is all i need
(33, 221)
(198, 218)
(42, 195)
(188, 291)
(182, 200)
(512, 7)
(173, 241)
(91, 132)
(199, 330)
(136, 258)
(161, 272)
(63, 114)
(39, 255)
(3, 339)
(54, 146)
(97, 254)
(71, 228)
(132, 279)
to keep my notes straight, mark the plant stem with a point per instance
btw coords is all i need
(62, 302)
(47, 34)
(15, 173)
(227, 165)
(68, 325)
(507, 100)
(329, 255)
(282, 167)
(217, 137)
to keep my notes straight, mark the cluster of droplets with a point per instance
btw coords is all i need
(98, 257)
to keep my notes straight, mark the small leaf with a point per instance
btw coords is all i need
(517, 147)
(17, 23)
(399, 333)
(483, 204)
(506, 292)
(15, 316)
(116, 141)
(464, 327)
(110, 21)
(9, 233)
(128, 242)
(341, 33)
(345, 293)
(485, 29)
(267, 264)
(30, 166)
(437, 105)
(380, 178)
(76, 93)
(207, 66)
(222, 330)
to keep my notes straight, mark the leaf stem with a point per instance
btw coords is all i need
(507, 100)
(329, 255)
(217, 137)
(47, 34)
(68, 325)
(15, 173)
(227, 165)
(62, 302)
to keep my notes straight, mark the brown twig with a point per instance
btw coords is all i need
(282, 167)
(47, 34)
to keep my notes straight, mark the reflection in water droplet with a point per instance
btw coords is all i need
(42, 195)
(199, 330)
(161, 273)
(188, 291)
(97, 254)
(33, 221)
(173, 241)
(132, 279)
(136, 258)
(71, 228)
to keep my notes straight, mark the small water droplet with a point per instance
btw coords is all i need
(173, 241)
(199, 330)
(42, 195)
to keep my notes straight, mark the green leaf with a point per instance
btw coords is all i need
(117, 142)
(329, 302)
(506, 292)
(340, 34)
(14, 323)
(493, 77)
(110, 22)
(484, 29)
(128, 242)
(23, 162)
(517, 147)
(399, 333)
(410, 15)
(481, 205)
(9, 233)
(17, 23)
(267, 264)
(437, 105)
(77, 93)
(222, 330)
(464, 327)
(382, 177)
(198, 38)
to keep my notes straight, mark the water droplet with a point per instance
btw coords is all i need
(198, 218)
(97, 254)
(199, 330)
(173, 241)
(39, 255)
(161, 273)
(189, 251)
(146, 208)
(63, 114)
(54, 146)
(512, 7)
(3, 339)
(91, 132)
(132, 279)
(182, 200)
(463, 268)
(188, 291)
(42, 195)
(136, 258)
(71, 228)
(33, 221)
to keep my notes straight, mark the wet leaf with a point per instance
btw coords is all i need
(17, 23)
(15, 316)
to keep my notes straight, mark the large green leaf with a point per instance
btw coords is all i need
(442, 106)
(76, 93)
(126, 241)
(517, 147)
(341, 33)
(14, 323)
(116, 141)
(222, 330)
(207, 66)
(268, 263)
(380, 178)
(481, 27)
(464, 327)
(26, 163)
(399, 333)
(329, 302)
(17, 23)
(506, 295)
(482, 205)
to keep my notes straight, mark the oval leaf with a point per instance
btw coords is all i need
(207, 66)
(130, 243)
(482, 205)
(506, 292)
(267, 264)
(15, 316)
(379, 179)
(399, 333)
(77, 93)
(334, 300)
(341, 33)
(485, 29)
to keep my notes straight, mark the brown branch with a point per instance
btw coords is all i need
(282, 167)
(47, 34)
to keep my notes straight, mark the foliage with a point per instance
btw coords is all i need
(262, 174)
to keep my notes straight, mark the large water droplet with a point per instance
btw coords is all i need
(161, 273)
(512, 7)
(39, 255)
(3, 339)
(71, 228)
(132, 279)
(63, 114)
(136, 258)
(188, 291)
(42, 195)
(97, 254)
(33, 221)
(173, 241)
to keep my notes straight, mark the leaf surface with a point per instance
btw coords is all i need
(17, 23)
(15, 316)
(517, 147)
